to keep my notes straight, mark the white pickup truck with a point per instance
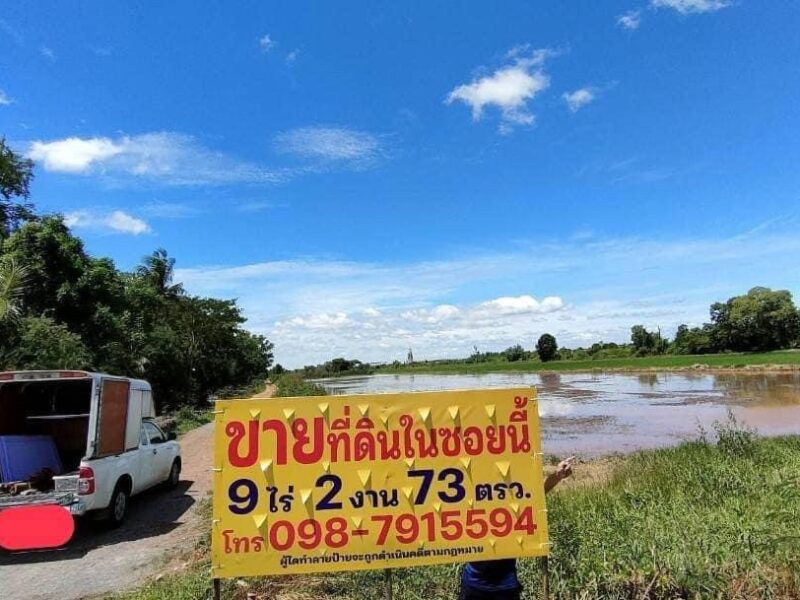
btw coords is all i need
(91, 434)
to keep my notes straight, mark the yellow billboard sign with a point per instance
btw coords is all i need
(340, 483)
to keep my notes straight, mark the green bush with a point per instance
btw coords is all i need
(293, 384)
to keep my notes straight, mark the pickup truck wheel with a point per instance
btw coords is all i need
(174, 475)
(118, 509)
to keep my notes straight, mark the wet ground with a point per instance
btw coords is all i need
(594, 414)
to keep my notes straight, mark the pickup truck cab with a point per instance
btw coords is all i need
(80, 440)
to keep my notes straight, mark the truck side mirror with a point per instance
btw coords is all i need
(172, 435)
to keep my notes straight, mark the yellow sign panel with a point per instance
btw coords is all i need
(343, 483)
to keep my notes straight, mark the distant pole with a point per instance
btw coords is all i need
(216, 589)
(387, 584)
(545, 578)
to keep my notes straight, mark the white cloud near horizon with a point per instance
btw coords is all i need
(579, 98)
(115, 222)
(509, 88)
(630, 20)
(5, 100)
(579, 290)
(686, 7)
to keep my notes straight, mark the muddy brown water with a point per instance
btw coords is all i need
(600, 413)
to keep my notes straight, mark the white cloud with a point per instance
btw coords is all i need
(177, 159)
(114, 222)
(292, 56)
(509, 88)
(686, 7)
(47, 53)
(4, 99)
(330, 144)
(630, 20)
(167, 157)
(579, 98)
(73, 155)
(322, 321)
(586, 290)
(266, 43)
(440, 313)
(520, 305)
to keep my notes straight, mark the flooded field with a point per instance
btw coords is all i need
(593, 414)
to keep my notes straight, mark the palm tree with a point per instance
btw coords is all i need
(158, 269)
(13, 278)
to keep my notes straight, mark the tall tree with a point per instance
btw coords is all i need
(647, 342)
(760, 320)
(159, 269)
(546, 347)
(16, 174)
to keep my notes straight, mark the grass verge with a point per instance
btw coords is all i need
(702, 520)
(781, 359)
(292, 384)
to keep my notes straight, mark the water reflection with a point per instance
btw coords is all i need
(596, 413)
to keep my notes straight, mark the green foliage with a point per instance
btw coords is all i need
(277, 370)
(16, 174)
(137, 324)
(760, 320)
(703, 520)
(646, 342)
(697, 521)
(697, 340)
(187, 418)
(293, 384)
(13, 279)
(41, 343)
(546, 347)
(514, 353)
(338, 367)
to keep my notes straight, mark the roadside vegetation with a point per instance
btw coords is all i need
(61, 308)
(779, 359)
(714, 518)
(294, 384)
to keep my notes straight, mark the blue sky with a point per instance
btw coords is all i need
(369, 177)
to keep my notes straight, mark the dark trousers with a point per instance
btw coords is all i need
(468, 593)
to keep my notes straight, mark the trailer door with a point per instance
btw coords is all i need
(113, 417)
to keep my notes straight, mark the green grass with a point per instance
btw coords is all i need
(188, 418)
(669, 361)
(292, 384)
(702, 520)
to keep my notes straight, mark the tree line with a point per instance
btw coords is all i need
(61, 308)
(759, 321)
